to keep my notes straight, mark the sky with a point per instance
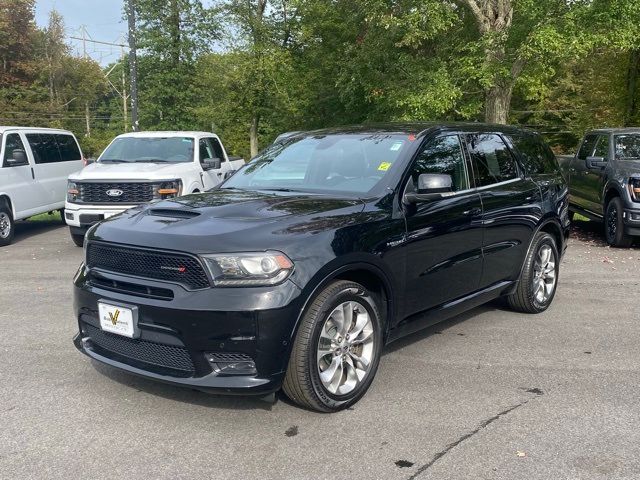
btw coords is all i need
(103, 20)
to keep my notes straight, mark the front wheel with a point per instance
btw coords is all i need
(614, 225)
(336, 351)
(78, 239)
(7, 225)
(539, 277)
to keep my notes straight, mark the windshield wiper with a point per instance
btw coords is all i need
(154, 160)
(112, 160)
(277, 189)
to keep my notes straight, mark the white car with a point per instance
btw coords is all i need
(141, 167)
(34, 166)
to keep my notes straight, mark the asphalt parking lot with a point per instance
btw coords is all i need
(488, 395)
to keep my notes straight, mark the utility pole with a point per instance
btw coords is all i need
(124, 90)
(87, 117)
(133, 63)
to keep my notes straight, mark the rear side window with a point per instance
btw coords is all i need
(492, 159)
(217, 148)
(589, 144)
(44, 147)
(13, 143)
(537, 157)
(68, 148)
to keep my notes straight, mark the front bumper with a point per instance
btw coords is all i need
(175, 334)
(83, 216)
(631, 218)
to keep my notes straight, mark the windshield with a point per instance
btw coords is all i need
(627, 146)
(349, 163)
(149, 149)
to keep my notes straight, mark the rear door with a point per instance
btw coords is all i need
(444, 235)
(511, 205)
(594, 177)
(18, 180)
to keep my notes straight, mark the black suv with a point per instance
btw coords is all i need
(328, 245)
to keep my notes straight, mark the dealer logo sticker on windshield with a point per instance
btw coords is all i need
(384, 166)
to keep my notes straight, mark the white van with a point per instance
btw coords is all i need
(140, 167)
(34, 166)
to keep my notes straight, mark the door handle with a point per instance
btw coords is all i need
(473, 212)
(33, 174)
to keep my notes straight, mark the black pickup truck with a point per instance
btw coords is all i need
(604, 182)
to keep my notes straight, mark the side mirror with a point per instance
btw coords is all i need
(18, 157)
(211, 164)
(596, 162)
(430, 186)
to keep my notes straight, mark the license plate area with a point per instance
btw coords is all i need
(118, 319)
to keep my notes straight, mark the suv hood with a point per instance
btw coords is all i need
(132, 171)
(229, 220)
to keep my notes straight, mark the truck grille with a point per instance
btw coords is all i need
(160, 358)
(131, 192)
(166, 266)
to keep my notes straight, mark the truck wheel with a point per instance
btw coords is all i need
(64, 220)
(78, 239)
(336, 351)
(539, 277)
(7, 225)
(614, 225)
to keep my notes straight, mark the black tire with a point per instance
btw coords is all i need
(61, 212)
(78, 239)
(614, 225)
(302, 382)
(7, 225)
(524, 298)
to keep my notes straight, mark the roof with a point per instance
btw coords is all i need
(33, 129)
(414, 128)
(167, 133)
(616, 130)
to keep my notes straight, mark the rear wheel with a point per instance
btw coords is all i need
(614, 225)
(336, 351)
(78, 239)
(539, 277)
(7, 225)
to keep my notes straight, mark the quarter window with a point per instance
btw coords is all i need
(442, 155)
(13, 142)
(492, 159)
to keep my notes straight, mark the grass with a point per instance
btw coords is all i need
(45, 217)
(580, 218)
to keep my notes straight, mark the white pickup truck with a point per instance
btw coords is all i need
(141, 167)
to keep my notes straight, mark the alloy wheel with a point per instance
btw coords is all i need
(345, 348)
(544, 274)
(5, 225)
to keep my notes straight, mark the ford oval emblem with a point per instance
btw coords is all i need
(114, 192)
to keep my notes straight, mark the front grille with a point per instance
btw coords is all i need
(130, 288)
(169, 267)
(156, 357)
(130, 192)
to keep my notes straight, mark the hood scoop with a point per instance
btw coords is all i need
(172, 213)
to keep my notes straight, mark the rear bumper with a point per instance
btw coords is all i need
(177, 337)
(83, 216)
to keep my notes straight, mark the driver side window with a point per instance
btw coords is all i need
(205, 150)
(13, 142)
(442, 155)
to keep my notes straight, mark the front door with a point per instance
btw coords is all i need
(444, 235)
(210, 177)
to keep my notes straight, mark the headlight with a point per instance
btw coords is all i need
(169, 189)
(634, 189)
(248, 269)
(73, 191)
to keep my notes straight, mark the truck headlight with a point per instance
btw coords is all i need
(634, 189)
(168, 189)
(73, 191)
(248, 269)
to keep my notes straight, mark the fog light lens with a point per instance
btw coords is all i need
(231, 363)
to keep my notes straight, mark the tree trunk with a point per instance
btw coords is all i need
(496, 104)
(253, 135)
(632, 80)
(87, 118)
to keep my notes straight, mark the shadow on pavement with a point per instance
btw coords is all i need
(29, 228)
